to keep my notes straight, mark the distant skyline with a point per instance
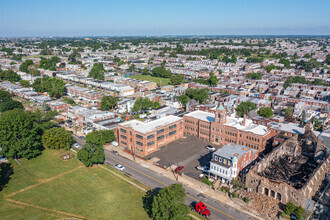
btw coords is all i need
(20, 18)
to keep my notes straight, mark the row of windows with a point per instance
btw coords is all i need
(190, 128)
(172, 126)
(230, 140)
(172, 133)
(150, 143)
(216, 168)
(123, 130)
(231, 133)
(123, 137)
(204, 126)
(204, 132)
(189, 122)
(160, 131)
(160, 137)
(252, 138)
(150, 136)
(139, 136)
(256, 147)
(139, 143)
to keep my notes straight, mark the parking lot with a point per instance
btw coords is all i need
(188, 151)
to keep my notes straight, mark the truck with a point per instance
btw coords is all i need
(200, 208)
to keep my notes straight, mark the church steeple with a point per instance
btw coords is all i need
(220, 116)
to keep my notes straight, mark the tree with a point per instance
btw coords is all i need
(156, 104)
(4, 96)
(91, 154)
(109, 102)
(213, 80)
(9, 75)
(288, 111)
(53, 86)
(265, 112)
(145, 71)
(100, 138)
(161, 72)
(45, 107)
(169, 203)
(142, 104)
(244, 108)
(183, 99)
(25, 83)
(303, 117)
(327, 60)
(57, 138)
(20, 137)
(176, 79)
(24, 67)
(200, 95)
(10, 105)
(289, 208)
(132, 67)
(300, 211)
(254, 75)
(97, 72)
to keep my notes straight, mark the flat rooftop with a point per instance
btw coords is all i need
(146, 127)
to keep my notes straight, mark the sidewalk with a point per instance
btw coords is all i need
(187, 181)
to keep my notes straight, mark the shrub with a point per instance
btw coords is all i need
(282, 215)
(207, 181)
(289, 208)
(234, 195)
(224, 189)
(246, 199)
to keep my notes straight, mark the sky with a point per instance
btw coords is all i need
(19, 18)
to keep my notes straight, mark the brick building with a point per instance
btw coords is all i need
(293, 171)
(223, 129)
(84, 93)
(144, 138)
(230, 160)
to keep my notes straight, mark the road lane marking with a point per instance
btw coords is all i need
(168, 185)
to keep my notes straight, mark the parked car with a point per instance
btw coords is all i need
(199, 168)
(76, 145)
(120, 167)
(210, 148)
(179, 168)
(115, 152)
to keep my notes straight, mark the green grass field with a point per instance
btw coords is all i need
(160, 81)
(49, 188)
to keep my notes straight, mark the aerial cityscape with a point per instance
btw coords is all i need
(165, 110)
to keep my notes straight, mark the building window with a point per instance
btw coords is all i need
(139, 143)
(160, 137)
(172, 126)
(139, 149)
(123, 137)
(215, 158)
(123, 142)
(139, 136)
(150, 143)
(224, 161)
(172, 132)
(123, 130)
(160, 131)
(150, 136)
(220, 159)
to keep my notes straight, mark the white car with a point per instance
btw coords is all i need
(210, 148)
(76, 145)
(120, 167)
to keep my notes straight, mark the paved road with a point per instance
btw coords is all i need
(156, 180)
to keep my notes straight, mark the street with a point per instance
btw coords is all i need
(155, 180)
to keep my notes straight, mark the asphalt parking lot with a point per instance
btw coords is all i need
(188, 151)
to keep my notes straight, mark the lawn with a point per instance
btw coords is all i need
(58, 189)
(160, 81)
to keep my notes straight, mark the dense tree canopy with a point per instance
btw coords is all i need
(183, 99)
(97, 72)
(254, 75)
(142, 104)
(200, 95)
(176, 79)
(19, 135)
(24, 67)
(49, 64)
(245, 107)
(10, 105)
(91, 154)
(9, 75)
(265, 112)
(161, 72)
(25, 83)
(109, 102)
(169, 203)
(53, 86)
(57, 138)
(99, 138)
